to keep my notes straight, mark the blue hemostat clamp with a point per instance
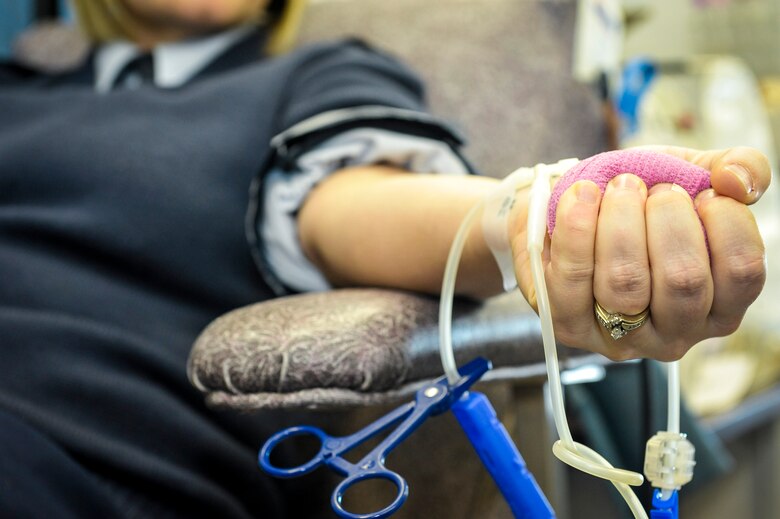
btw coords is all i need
(665, 509)
(432, 399)
(501, 457)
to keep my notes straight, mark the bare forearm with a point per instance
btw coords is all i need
(627, 247)
(379, 226)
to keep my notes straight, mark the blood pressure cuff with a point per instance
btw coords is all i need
(356, 347)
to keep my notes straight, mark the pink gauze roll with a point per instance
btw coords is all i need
(652, 167)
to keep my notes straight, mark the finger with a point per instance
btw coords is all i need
(738, 259)
(621, 280)
(569, 272)
(682, 287)
(741, 173)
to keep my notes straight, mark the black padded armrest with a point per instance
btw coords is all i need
(355, 347)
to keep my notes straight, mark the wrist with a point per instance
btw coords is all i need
(506, 215)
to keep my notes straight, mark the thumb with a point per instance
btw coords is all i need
(741, 173)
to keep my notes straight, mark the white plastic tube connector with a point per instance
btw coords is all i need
(669, 461)
(669, 455)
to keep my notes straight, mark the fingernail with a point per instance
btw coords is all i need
(658, 188)
(626, 181)
(681, 190)
(587, 192)
(703, 197)
(742, 174)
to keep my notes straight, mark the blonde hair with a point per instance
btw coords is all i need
(285, 31)
(106, 20)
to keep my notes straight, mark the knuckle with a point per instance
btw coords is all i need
(571, 334)
(621, 354)
(747, 269)
(724, 326)
(576, 223)
(630, 285)
(686, 278)
(574, 272)
(674, 350)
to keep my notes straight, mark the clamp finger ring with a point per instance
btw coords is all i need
(617, 324)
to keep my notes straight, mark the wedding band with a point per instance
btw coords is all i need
(617, 324)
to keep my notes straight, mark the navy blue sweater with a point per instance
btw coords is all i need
(121, 237)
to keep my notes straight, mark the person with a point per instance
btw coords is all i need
(127, 186)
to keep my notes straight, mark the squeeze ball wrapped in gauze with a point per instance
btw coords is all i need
(652, 167)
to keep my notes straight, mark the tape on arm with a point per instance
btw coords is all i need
(498, 207)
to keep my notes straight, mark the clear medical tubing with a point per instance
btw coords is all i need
(448, 294)
(673, 397)
(673, 410)
(566, 449)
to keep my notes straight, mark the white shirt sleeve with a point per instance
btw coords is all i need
(285, 192)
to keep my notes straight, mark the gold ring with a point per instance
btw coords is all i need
(617, 324)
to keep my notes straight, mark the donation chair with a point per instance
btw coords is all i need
(501, 71)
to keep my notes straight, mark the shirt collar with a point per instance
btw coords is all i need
(174, 63)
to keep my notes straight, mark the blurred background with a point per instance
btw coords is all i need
(532, 81)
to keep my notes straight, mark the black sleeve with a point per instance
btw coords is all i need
(349, 74)
(349, 85)
(334, 88)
